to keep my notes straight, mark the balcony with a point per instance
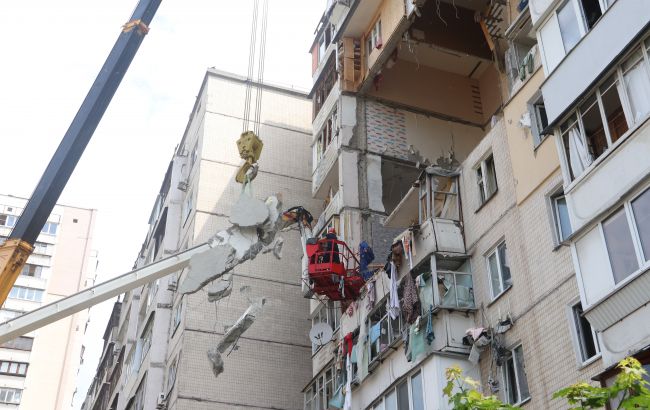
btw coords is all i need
(431, 211)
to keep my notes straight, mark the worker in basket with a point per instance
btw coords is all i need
(329, 247)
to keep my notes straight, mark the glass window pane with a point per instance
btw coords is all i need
(390, 401)
(13, 368)
(416, 391)
(505, 265)
(511, 381)
(566, 16)
(403, 396)
(593, 126)
(562, 215)
(521, 374)
(491, 178)
(620, 247)
(4, 367)
(494, 274)
(637, 85)
(592, 12)
(641, 208)
(616, 122)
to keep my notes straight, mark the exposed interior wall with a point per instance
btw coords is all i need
(428, 89)
(530, 166)
(391, 132)
(453, 28)
(491, 91)
(397, 179)
(390, 12)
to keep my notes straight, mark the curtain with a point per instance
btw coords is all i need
(638, 89)
(579, 157)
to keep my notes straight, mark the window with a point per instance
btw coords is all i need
(601, 119)
(620, 246)
(177, 315)
(586, 336)
(41, 248)
(31, 294)
(499, 270)
(326, 314)
(19, 343)
(641, 210)
(138, 400)
(7, 220)
(561, 216)
(538, 118)
(407, 395)
(195, 154)
(146, 337)
(486, 179)
(569, 28)
(326, 136)
(50, 228)
(10, 396)
(13, 368)
(187, 207)
(591, 12)
(383, 330)
(171, 375)
(374, 38)
(6, 314)
(322, 389)
(32, 270)
(514, 377)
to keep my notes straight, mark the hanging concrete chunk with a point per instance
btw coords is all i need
(221, 289)
(248, 212)
(233, 334)
(232, 247)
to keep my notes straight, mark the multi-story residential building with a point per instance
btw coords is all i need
(429, 124)
(38, 370)
(596, 96)
(157, 341)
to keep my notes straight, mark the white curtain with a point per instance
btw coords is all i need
(579, 157)
(638, 89)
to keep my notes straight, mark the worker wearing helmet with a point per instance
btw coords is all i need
(330, 245)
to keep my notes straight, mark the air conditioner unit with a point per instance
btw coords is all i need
(183, 185)
(161, 403)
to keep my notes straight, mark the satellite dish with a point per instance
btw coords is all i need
(320, 334)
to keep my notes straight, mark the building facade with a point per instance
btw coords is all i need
(38, 370)
(430, 127)
(155, 352)
(598, 113)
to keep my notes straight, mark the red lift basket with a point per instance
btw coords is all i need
(334, 270)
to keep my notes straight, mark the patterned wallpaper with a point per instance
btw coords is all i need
(386, 130)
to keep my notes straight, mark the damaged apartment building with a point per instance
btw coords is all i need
(433, 143)
(157, 340)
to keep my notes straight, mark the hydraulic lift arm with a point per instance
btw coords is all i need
(15, 251)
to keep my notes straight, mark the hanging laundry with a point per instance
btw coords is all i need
(407, 241)
(397, 250)
(347, 405)
(338, 399)
(410, 301)
(347, 344)
(372, 295)
(393, 299)
(366, 256)
(375, 332)
(429, 333)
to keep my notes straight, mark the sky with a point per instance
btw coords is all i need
(51, 53)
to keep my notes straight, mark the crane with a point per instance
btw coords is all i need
(20, 243)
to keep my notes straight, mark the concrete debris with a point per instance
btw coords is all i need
(275, 247)
(248, 212)
(221, 289)
(233, 334)
(233, 247)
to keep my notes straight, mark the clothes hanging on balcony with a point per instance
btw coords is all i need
(410, 301)
(393, 299)
(429, 333)
(372, 295)
(375, 332)
(347, 404)
(407, 243)
(366, 256)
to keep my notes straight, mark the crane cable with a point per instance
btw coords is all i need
(251, 67)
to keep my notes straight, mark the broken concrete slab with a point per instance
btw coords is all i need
(220, 290)
(242, 324)
(232, 247)
(248, 211)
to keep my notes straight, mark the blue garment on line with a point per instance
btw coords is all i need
(375, 331)
(366, 256)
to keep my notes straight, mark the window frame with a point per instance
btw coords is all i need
(482, 178)
(17, 373)
(15, 392)
(597, 91)
(536, 125)
(579, 333)
(373, 37)
(16, 291)
(380, 402)
(555, 214)
(504, 379)
(392, 338)
(331, 318)
(9, 220)
(495, 251)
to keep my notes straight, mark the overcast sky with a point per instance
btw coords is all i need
(51, 53)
